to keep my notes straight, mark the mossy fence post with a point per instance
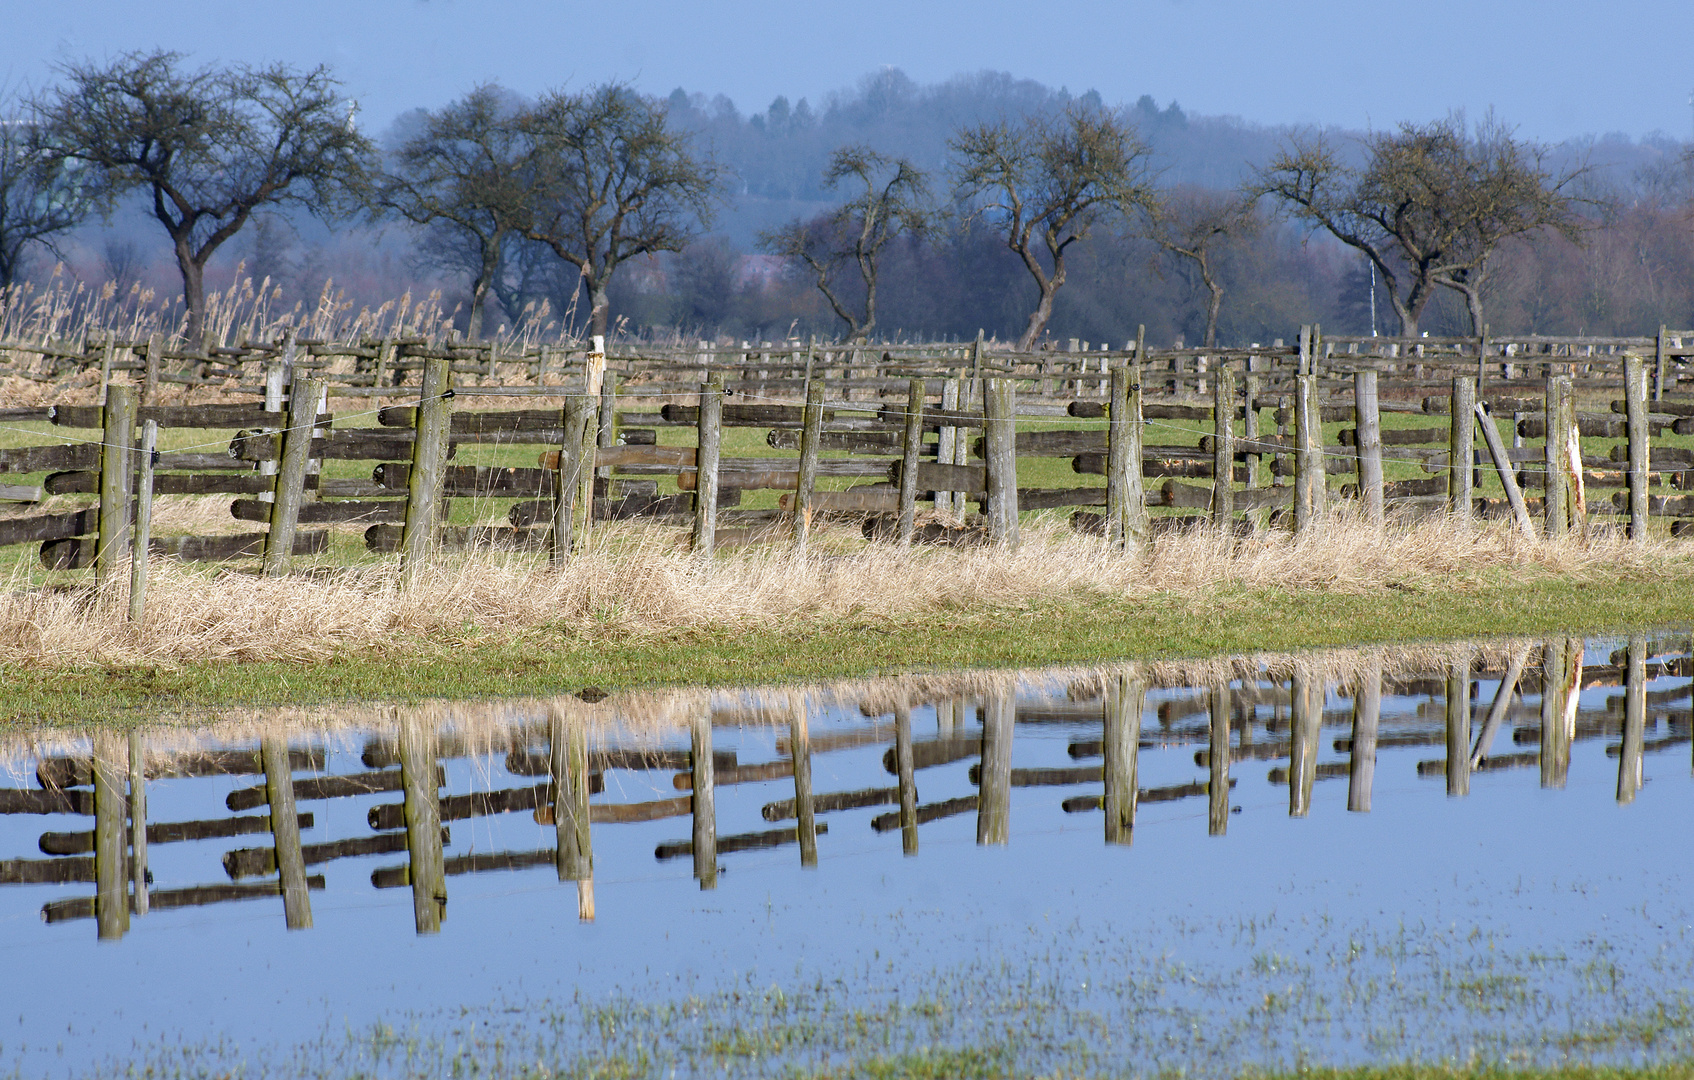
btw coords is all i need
(429, 465)
(708, 443)
(1561, 418)
(1000, 452)
(911, 448)
(116, 460)
(1126, 696)
(1223, 447)
(1368, 440)
(1126, 499)
(1367, 712)
(1310, 490)
(139, 553)
(285, 832)
(574, 420)
(291, 475)
(1461, 436)
(811, 432)
(1635, 412)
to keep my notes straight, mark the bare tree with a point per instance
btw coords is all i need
(1429, 208)
(40, 198)
(1045, 182)
(891, 199)
(611, 181)
(464, 177)
(209, 147)
(1193, 224)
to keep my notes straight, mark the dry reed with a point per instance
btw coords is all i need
(636, 584)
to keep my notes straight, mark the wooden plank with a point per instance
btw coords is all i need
(82, 907)
(169, 832)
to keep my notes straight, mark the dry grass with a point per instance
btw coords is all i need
(636, 585)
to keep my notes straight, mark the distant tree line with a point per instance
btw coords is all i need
(1055, 214)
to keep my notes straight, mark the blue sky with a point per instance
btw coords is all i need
(1555, 68)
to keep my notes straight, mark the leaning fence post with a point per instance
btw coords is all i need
(429, 462)
(1369, 440)
(911, 445)
(285, 832)
(291, 475)
(710, 428)
(1635, 410)
(1461, 436)
(143, 522)
(1309, 483)
(1223, 449)
(1503, 466)
(116, 457)
(811, 431)
(1000, 452)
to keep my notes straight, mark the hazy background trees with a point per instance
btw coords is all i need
(1610, 249)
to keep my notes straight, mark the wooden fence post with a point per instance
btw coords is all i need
(1557, 456)
(429, 463)
(1369, 440)
(705, 813)
(276, 390)
(1367, 711)
(800, 752)
(574, 856)
(1634, 721)
(907, 774)
(1635, 411)
(138, 821)
(1461, 436)
(1223, 450)
(1000, 451)
(143, 521)
(575, 417)
(291, 476)
(1217, 783)
(947, 445)
(1660, 358)
(116, 459)
(1310, 486)
(811, 431)
(1250, 425)
(285, 832)
(111, 889)
(1126, 696)
(417, 750)
(994, 776)
(911, 446)
(1458, 728)
(710, 429)
(150, 368)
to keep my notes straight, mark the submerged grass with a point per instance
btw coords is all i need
(637, 610)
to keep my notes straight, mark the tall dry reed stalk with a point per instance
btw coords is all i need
(637, 584)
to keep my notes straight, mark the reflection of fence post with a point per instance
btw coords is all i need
(1217, 783)
(1000, 453)
(1367, 710)
(1561, 673)
(705, 813)
(1458, 728)
(111, 890)
(575, 855)
(1309, 484)
(139, 553)
(416, 748)
(811, 432)
(904, 769)
(1305, 730)
(1461, 436)
(1634, 721)
(1635, 410)
(800, 752)
(116, 460)
(911, 447)
(1126, 696)
(285, 832)
(138, 820)
(1369, 440)
(706, 466)
(429, 464)
(562, 537)
(1223, 449)
(994, 776)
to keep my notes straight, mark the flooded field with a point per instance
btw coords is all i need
(1458, 853)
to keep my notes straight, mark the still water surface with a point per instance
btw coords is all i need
(1457, 852)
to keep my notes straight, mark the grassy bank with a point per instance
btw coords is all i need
(638, 613)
